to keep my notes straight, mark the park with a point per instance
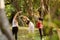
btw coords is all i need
(29, 19)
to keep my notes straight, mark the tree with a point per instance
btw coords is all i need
(29, 8)
(4, 25)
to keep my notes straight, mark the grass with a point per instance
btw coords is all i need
(23, 35)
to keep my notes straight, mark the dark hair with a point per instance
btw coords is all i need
(40, 19)
(27, 22)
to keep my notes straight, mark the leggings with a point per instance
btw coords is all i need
(40, 31)
(14, 31)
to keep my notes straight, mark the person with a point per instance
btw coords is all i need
(31, 26)
(30, 29)
(40, 26)
(15, 27)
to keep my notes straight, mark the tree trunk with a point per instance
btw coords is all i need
(42, 8)
(30, 9)
(4, 25)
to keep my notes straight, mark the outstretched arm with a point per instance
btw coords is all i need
(17, 14)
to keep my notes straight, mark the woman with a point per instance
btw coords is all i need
(40, 26)
(31, 26)
(15, 28)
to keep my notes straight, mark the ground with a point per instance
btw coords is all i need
(23, 35)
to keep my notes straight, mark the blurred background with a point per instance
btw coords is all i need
(49, 10)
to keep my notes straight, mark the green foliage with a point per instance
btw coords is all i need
(55, 37)
(36, 4)
(21, 4)
(9, 9)
(58, 12)
(57, 23)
